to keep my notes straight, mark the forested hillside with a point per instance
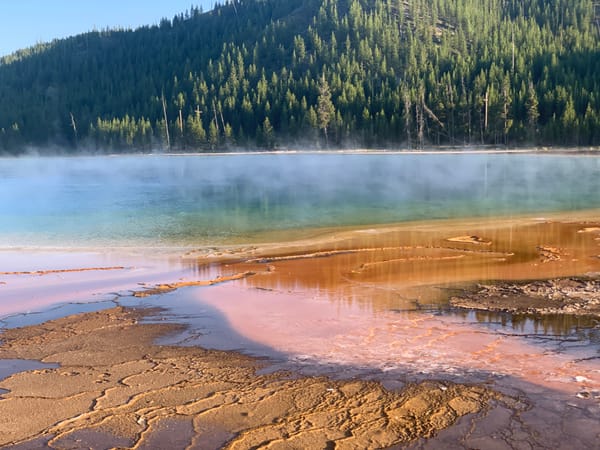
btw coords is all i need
(285, 73)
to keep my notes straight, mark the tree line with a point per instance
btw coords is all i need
(326, 73)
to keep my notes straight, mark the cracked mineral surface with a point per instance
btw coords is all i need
(115, 388)
(359, 346)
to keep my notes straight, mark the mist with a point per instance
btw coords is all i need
(205, 199)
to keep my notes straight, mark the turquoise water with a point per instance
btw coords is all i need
(204, 200)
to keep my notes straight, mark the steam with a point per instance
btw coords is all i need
(194, 200)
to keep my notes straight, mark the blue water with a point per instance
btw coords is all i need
(202, 200)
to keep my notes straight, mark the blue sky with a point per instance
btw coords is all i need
(23, 23)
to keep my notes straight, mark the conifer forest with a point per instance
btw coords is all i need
(265, 74)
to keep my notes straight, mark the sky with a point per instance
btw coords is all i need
(24, 23)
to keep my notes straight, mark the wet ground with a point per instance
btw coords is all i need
(372, 305)
(149, 396)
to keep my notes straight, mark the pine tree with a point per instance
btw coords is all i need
(195, 132)
(533, 113)
(268, 134)
(325, 108)
(213, 135)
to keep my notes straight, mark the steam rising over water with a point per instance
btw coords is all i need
(197, 200)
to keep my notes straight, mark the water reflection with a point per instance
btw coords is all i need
(559, 325)
(417, 267)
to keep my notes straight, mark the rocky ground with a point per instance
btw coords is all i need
(571, 295)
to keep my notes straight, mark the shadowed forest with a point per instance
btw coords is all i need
(320, 73)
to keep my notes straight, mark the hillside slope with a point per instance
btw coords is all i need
(265, 73)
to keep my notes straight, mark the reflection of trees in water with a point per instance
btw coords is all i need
(564, 325)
